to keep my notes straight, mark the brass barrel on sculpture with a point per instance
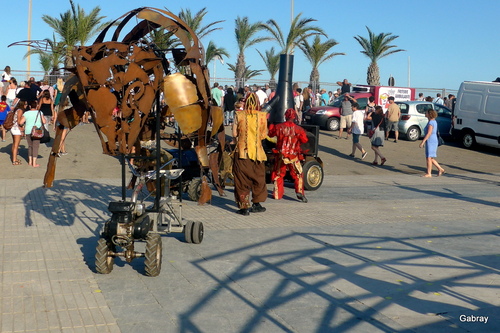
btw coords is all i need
(181, 96)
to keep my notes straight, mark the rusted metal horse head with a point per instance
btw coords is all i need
(119, 81)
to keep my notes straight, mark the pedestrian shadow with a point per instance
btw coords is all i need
(352, 282)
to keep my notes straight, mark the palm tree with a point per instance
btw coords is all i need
(272, 62)
(317, 53)
(75, 26)
(245, 32)
(247, 72)
(375, 48)
(164, 39)
(214, 53)
(195, 22)
(300, 30)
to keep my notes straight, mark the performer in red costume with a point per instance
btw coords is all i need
(288, 154)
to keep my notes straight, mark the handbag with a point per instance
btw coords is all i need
(440, 139)
(372, 131)
(46, 137)
(37, 132)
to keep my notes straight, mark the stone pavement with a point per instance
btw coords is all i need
(371, 253)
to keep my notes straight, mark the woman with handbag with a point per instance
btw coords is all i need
(33, 121)
(377, 139)
(431, 144)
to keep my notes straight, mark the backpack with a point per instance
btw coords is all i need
(9, 120)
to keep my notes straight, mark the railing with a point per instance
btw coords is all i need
(329, 86)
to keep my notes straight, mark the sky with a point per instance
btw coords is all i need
(446, 42)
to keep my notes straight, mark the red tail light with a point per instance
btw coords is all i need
(405, 117)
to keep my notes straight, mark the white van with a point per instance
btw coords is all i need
(477, 114)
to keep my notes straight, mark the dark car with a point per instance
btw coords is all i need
(328, 116)
(413, 121)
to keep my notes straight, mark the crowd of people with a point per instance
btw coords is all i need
(381, 124)
(34, 104)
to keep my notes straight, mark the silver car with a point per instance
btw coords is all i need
(413, 121)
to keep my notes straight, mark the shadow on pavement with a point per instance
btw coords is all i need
(354, 282)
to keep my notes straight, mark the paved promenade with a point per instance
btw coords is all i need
(371, 253)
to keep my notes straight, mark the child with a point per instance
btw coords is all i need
(4, 109)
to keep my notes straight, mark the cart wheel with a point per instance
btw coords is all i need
(313, 175)
(194, 189)
(103, 260)
(153, 254)
(198, 231)
(188, 229)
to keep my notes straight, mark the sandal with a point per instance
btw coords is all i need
(374, 163)
(383, 161)
(16, 163)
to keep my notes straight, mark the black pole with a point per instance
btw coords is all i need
(124, 190)
(158, 153)
(284, 91)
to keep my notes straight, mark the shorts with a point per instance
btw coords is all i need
(346, 121)
(355, 138)
(392, 126)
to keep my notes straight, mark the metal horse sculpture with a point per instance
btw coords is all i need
(120, 81)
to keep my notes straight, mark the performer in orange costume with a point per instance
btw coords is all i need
(288, 154)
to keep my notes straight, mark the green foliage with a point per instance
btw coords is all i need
(300, 30)
(271, 61)
(376, 47)
(213, 53)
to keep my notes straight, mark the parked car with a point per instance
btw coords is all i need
(328, 116)
(413, 121)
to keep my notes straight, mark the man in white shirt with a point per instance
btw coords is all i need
(262, 96)
(438, 99)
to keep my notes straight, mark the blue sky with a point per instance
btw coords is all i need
(446, 41)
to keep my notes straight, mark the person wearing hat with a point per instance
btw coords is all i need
(249, 170)
(288, 155)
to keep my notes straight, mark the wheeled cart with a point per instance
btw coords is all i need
(133, 221)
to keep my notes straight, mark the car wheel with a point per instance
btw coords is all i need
(333, 124)
(413, 133)
(313, 175)
(468, 140)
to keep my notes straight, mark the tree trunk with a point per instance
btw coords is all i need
(240, 71)
(314, 78)
(373, 74)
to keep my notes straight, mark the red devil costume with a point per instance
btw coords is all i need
(288, 154)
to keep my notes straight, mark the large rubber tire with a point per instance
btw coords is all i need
(333, 124)
(153, 254)
(194, 189)
(413, 133)
(103, 260)
(188, 232)
(313, 175)
(197, 232)
(468, 140)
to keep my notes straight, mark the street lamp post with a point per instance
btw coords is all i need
(28, 63)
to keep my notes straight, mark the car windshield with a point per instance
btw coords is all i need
(336, 102)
